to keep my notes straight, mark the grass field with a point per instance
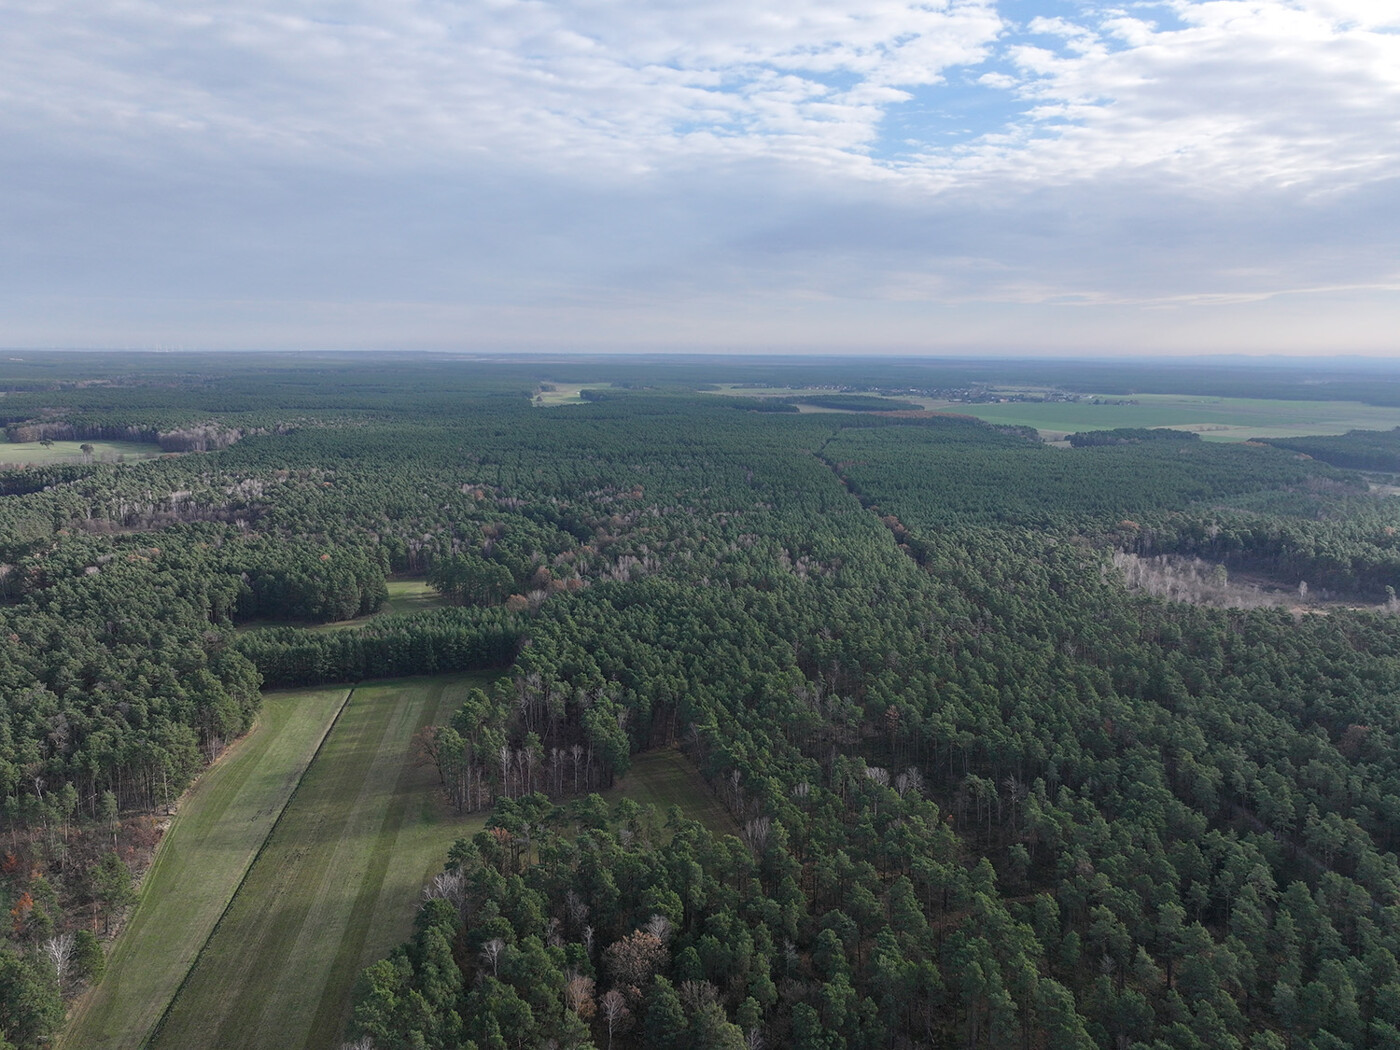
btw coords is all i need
(284, 874)
(334, 888)
(405, 596)
(666, 778)
(31, 452)
(565, 393)
(204, 854)
(1214, 418)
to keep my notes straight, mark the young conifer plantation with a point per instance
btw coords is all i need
(1018, 745)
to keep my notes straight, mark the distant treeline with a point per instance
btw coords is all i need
(857, 403)
(1356, 449)
(1129, 436)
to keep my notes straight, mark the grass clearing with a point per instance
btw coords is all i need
(213, 839)
(334, 888)
(405, 596)
(32, 453)
(666, 778)
(411, 596)
(550, 394)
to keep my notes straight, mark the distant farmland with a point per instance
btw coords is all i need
(1214, 418)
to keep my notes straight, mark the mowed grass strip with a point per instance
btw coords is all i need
(336, 885)
(221, 823)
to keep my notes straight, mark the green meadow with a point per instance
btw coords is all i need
(32, 453)
(335, 886)
(220, 826)
(1214, 418)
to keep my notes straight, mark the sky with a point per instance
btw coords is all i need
(830, 176)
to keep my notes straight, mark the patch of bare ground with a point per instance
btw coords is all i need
(1179, 578)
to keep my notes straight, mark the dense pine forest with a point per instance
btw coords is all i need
(1034, 746)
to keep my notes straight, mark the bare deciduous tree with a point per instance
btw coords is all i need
(756, 833)
(491, 952)
(578, 994)
(660, 927)
(615, 1013)
(633, 960)
(450, 886)
(59, 950)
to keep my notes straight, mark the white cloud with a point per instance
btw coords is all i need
(525, 158)
(428, 81)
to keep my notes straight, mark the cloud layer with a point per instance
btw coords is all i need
(937, 175)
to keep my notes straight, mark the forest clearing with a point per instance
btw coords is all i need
(37, 453)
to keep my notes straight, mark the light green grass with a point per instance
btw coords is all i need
(335, 887)
(28, 453)
(405, 596)
(1214, 418)
(410, 596)
(666, 778)
(565, 393)
(214, 837)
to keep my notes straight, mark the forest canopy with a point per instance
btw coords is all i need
(983, 791)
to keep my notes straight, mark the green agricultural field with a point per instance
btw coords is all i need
(1214, 418)
(29, 453)
(210, 844)
(334, 888)
(666, 778)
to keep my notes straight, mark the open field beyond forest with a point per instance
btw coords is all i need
(1214, 418)
(32, 453)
